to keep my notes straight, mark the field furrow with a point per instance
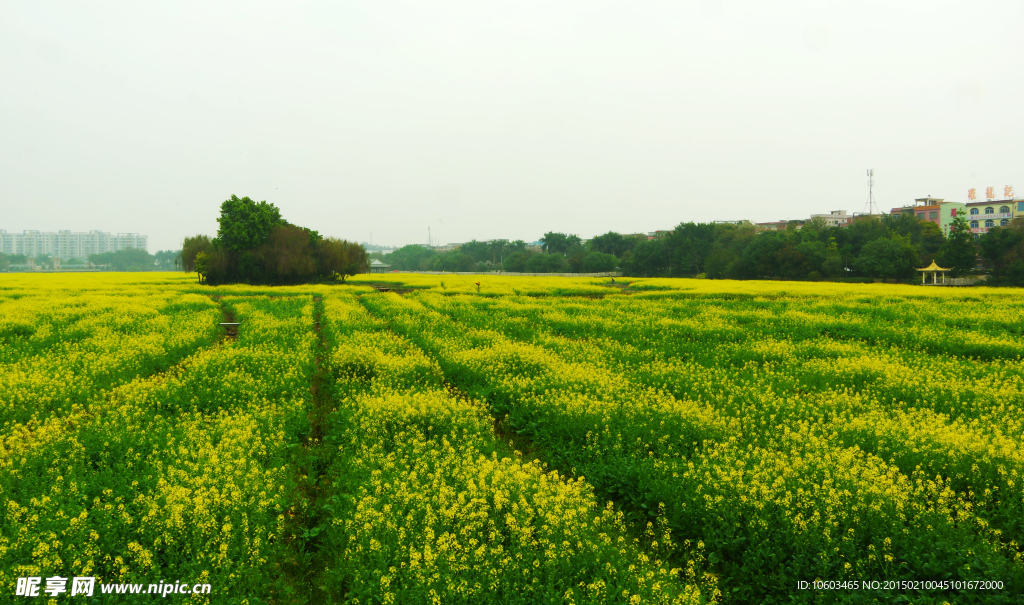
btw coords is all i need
(540, 389)
(426, 501)
(468, 439)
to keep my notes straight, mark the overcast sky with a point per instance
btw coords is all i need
(498, 119)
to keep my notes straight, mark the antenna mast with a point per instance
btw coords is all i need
(872, 207)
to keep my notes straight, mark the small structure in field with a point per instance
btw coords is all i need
(934, 270)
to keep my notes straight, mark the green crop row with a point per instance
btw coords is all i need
(914, 411)
(61, 355)
(181, 475)
(771, 489)
(425, 504)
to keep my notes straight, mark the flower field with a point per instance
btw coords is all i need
(524, 440)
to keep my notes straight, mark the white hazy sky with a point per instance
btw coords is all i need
(498, 119)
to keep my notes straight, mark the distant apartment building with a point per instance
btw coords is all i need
(948, 212)
(924, 208)
(934, 210)
(66, 244)
(982, 216)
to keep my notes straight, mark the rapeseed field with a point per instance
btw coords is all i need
(489, 439)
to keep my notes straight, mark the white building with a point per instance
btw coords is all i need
(836, 218)
(65, 244)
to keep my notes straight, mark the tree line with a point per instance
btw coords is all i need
(566, 254)
(890, 247)
(1003, 251)
(128, 259)
(255, 245)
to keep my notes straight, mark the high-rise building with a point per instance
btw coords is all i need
(65, 244)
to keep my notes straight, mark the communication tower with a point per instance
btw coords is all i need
(871, 207)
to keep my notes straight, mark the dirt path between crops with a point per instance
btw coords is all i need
(519, 444)
(303, 521)
(528, 450)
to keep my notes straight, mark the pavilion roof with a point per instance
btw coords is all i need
(934, 267)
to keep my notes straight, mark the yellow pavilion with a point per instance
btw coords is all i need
(934, 270)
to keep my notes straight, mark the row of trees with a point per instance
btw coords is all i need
(254, 244)
(133, 259)
(503, 255)
(42, 260)
(890, 246)
(1003, 251)
(129, 259)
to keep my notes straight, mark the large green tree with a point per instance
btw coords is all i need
(478, 251)
(959, 251)
(890, 257)
(690, 244)
(612, 243)
(558, 243)
(764, 254)
(246, 224)
(191, 247)
(254, 244)
(649, 258)
(455, 261)
(290, 254)
(1003, 249)
(833, 263)
(931, 241)
(597, 262)
(851, 240)
(498, 250)
(340, 258)
(547, 263)
(412, 258)
(516, 262)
